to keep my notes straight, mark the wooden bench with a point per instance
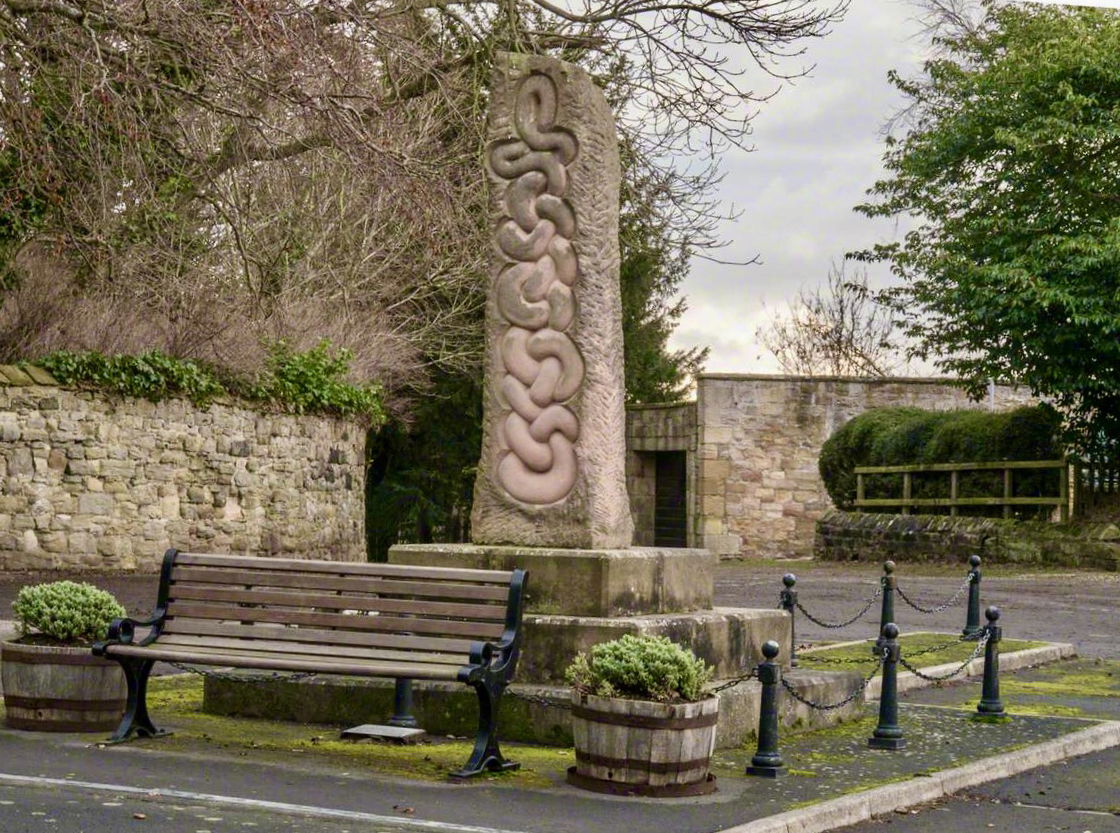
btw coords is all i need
(331, 617)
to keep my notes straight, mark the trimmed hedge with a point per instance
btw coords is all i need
(912, 436)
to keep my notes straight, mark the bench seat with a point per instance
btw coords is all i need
(367, 620)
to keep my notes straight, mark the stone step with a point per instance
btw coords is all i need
(729, 639)
(529, 713)
(570, 582)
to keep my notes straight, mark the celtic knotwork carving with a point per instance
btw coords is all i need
(534, 291)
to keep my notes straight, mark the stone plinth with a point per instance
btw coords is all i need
(729, 639)
(552, 470)
(640, 580)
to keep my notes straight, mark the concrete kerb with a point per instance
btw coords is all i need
(859, 807)
(1011, 661)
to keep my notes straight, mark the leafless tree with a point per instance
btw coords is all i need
(217, 171)
(834, 330)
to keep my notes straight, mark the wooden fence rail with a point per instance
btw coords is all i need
(1007, 500)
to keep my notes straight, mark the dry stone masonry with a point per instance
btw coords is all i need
(95, 482)
(552, 471)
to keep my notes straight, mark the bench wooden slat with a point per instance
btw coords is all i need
(314, 636)
(319, 581)
(390, 624)
(417, 670)
(310, 655)
(279, 646)
(345, 568)
(423, 607)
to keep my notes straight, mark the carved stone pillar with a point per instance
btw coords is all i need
(552, 472)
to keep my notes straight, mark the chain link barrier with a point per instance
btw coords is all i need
(275, 676)
(552, 703)
(824, 707)
(813, 658)
(734, 681)
(954, 599)
(834, 625)
(938, 678)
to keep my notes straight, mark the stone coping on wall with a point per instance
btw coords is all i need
(661, 406)
(881, 380)
(849, 536)
(26, 375)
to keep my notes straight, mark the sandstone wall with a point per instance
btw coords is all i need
(106, 483)
(759, 490)
(851, 536)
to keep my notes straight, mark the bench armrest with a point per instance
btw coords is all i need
(122, 631)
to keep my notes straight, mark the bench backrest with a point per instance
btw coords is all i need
(430, 614)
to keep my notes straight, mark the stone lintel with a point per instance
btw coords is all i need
(634, 581)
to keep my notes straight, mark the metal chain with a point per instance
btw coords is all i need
(935, 648)
(286, 676)
(813, 658)
(937, 678)
(956, 597)
(834, 625)
(555, 704)
(733, 682)
(824, 707)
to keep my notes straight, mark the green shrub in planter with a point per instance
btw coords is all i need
(65, 611)
(640, 668)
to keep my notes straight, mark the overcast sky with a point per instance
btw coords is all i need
(818, 146)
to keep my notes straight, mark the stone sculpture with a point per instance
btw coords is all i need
(552, 471)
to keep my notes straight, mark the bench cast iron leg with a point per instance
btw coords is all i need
(487, 757)
(136, 720)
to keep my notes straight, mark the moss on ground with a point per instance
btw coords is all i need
(854, 656)
(177, 703)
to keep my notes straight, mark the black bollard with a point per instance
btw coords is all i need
(886, 616)
(402, 705)
(788, 603)
(972, 619)
(990, 704)
(888, 734)
(767, 761)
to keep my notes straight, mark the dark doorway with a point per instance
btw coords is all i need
(670, 511)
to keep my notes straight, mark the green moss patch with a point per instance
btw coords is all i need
(1082, 688)
(915, 647)
(176, 702)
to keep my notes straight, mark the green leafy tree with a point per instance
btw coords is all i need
(1008, 162)
(654, 261)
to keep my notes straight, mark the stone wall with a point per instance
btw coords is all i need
(93, 482)
(852, 536)
(759, 438)
(650, 429)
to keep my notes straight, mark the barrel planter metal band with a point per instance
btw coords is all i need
(639, 747)
(49, 688)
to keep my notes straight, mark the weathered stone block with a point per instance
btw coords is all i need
(587, 582)
(552, 471)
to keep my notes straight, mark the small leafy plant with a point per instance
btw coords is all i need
(65, 611)
(640, 668)
(312, 381)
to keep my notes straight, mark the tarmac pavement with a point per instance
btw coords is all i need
(195, 792)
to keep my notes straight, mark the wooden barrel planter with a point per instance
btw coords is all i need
(49, 688)
(639, 747)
